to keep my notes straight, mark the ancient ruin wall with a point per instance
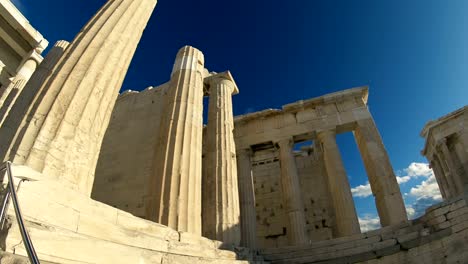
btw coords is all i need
(272, 220)
(126, 159)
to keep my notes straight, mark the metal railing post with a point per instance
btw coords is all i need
(11, 193)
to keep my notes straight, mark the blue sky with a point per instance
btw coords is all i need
(412, 54)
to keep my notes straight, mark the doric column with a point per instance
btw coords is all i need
(462, 154)
(247, 199)
(175, 187)
(440, 163)
(382, 179)
(43, 71)
(440, 178)
(345, 212)
(221, 213)
(25, 71)
(292, 194)
(460, 185)
(62, 130)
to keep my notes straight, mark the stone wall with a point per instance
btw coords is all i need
(440, 236)
(272, 220)
(127, 154)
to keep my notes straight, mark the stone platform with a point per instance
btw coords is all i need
(440, 236)
(69, 227)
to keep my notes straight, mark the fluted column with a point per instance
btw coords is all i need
(175, 187)
(452, 186)
(345, 212)
(440, 178)
(62, 130)
(247, 199)
(26, 70)
(382, 179)
(294, 205)
(27, 93)
(221, 213)
(457, 179)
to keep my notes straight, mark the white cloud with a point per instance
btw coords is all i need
(414, 170)
(362, 190)
(410, 212)
(369, 222)
(427, 189)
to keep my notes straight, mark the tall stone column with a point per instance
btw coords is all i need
(221, 212)
(175, 188)
(27, 93)
(457, 179)
(294, 205)
(25, 72)
(247, 199)
(62, 130)
(462, 154)
(382, 179)
(345, 212)
(440, 178)
(452, 186)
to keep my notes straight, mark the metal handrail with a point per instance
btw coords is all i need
(11, 192)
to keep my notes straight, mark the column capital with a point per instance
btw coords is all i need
(225, 78)
(285, 143)
(325, 134)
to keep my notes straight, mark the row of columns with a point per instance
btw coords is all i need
(389, 201)
(178, 195)
(451, 180)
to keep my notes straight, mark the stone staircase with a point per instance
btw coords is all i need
(68, 227)
(440, 236)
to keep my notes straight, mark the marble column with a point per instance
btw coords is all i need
(457, 179)
(220, 201)
(175, 187)
(62, 130)
(247, 199)
(345, 212)
(26, 94)
(452, 187)
(25, 72)
(382, 179)
(462, 154)
(294, 205)
(440, 178)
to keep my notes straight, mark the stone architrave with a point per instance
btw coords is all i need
(62, 129)
(297, 233)
(175, 187)
(221, 212)
(382, 179)
(345, 212)
(247, 199)
(25, 95)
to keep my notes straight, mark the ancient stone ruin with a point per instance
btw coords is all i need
(139, 178)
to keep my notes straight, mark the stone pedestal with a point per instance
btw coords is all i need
(345, 213)
(221, 213)
(175, 188)
(294, 206)
(22, 97)
(382, 178)
(62, 130)
(247, 199)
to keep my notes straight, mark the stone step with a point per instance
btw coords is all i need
(68, 227)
